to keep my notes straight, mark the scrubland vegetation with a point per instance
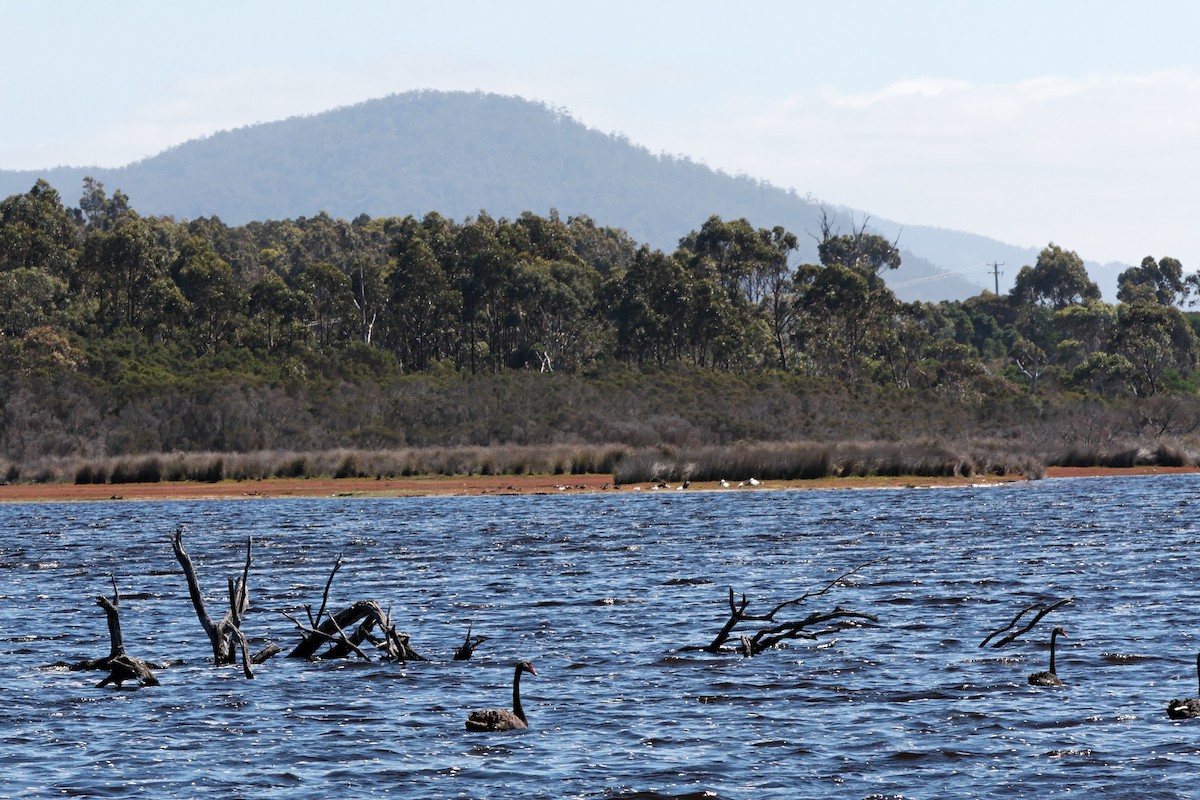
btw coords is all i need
(150, 349)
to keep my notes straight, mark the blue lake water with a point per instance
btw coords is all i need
(600, 592)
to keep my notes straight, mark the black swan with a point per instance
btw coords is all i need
(501, 719)
(1049, 678)
(1186, 709)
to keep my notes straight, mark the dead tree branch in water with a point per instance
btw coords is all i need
(330, 631)
(367, 615)
(840, 618)
(120, 665)
(225, 635)
(467, 648)
(770, 636)
(1044, 610)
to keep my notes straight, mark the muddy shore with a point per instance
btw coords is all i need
(477, 485)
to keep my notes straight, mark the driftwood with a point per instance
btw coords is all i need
(330, 631)
(766, 637)
(467, 648)
(224, 634)
(1042, 611)
(120, 665)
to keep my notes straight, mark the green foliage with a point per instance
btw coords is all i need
(1162, 282)
(1058, 280)
(123, 335)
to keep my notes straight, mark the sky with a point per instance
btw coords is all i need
(1029, 121)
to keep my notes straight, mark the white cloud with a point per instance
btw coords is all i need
(899, 90)
(1109, 161)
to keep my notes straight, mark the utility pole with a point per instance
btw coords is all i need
(996, 273)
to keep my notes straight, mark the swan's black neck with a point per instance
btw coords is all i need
(520, 712)
(1198, 667)
(1053, 636)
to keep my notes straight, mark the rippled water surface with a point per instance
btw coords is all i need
(601, 592)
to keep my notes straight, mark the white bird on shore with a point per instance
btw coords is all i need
(724, 483)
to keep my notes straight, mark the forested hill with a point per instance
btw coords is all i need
(460, 153)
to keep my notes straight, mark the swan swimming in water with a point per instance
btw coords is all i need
(501, 719)
(1189, 708)
(1050, 677)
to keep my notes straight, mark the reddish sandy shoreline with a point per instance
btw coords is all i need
(479, 485)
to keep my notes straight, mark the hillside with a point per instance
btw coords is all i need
(459, 153)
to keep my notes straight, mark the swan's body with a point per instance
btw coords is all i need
(1189, 708)
(1050, 677)
(501, 719)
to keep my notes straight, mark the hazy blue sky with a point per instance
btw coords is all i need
(1025, 120)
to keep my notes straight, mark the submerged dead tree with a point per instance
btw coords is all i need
(467, 649)
(224, 634)
(811, 626)
(1042, 610)
(120, 665)
(369, 626)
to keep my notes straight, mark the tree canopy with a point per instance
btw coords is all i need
(103, 296)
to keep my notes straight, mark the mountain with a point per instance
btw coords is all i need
(459, 153)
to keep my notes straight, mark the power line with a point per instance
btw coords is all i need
(937, 277)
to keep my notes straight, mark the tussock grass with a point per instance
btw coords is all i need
(806, 461)
(1126, 454)
(338, 463)
(626, 463)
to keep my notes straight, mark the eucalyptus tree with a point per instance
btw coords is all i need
(774, 279)
(603, 247)
(37, 232)
(1156, 340)
(39, 245)
(990, 315)
(931, 346)
(550, 295)
(742, 299)
(732, 250)
(647, 305)
(858, 250)
(1083, 330)
(1033, 345)
(236, 246)
(544, 237)
(216, 302)
(31, 298)
(370, 244)
(845, 310)
(556, 305)
(126, 267)
(331, 302)
(424, 306)
(1057, 279)
(1162, 282)
(482, 269)
(844, 314)
(98, 209)
(718, 328)
(277, 313)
